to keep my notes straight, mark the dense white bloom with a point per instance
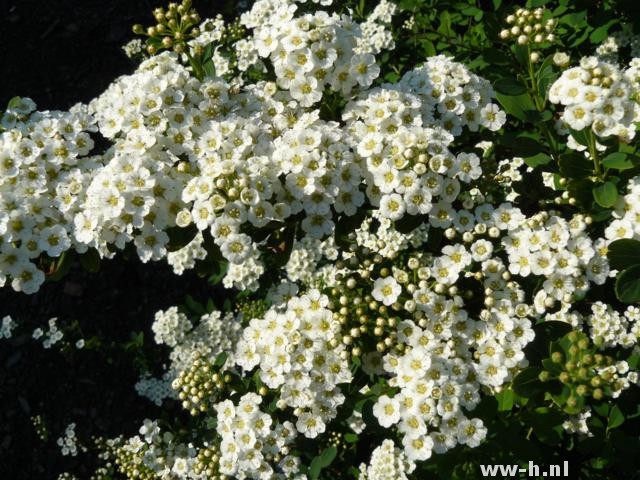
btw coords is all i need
(596, 95)
(387, 463)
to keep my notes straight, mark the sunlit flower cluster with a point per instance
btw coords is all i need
(250, 440)
(45, 167)
(298, 351)
(608, 328)
(314, 50)
(186, 257)
(596, 95)
(626, 222)
(387, 463)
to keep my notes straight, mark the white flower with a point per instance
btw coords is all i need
(236, 247)
(364, 69)
(306, 91)
(310, 425)
(471, 432)
(492, 117)
(386, 290)
(417, 448)
(392, 206)
(387, 411)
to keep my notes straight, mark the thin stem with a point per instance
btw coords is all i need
(593, 152)
(539, 103)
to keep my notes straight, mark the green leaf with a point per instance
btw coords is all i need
(523, 146)
(193, 305)
(445, 24)
(582, 191)
(580, 39)
(616, 418)
(628, 285)
(220, 271)
(624, 253)
(220, 359)
(537, 160)
(526, 383)
(551, 366)
(521, 53)
(322, 461)
(505, 400)
(601, 409)
(600, 33)
(428, 48)
(509, 86)
(61, 266)
(209, 69)
(495, 57)
(618, 160)
(581, 136)
(574, 165)
(634, 361)
(547, 424)
(605, 194)
(350, 437)
(519, 105)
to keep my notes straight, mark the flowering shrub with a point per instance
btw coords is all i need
(426, 217)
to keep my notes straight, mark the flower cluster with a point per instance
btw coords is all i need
(626, 223)
(305, 257)
(250, 440)
(610, 48)
(559, 251)
(45, 168)
(377, 234)
(69, 442)
(51, 337)
(186, 257)
(596, 95)
(153, 454)
(317, 50)
(608, 328)
(298, 350)
(376, 36)
(200, 341)
(170, 327)
(578, 424)
(7, 327)
(401, 134)
(387, 463)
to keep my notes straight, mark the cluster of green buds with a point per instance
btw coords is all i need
(251, 308)
(176, 25)
(130, 464)
(363, 318)
(207, 461)
(581, 371)
(197, 385)
(529, 27)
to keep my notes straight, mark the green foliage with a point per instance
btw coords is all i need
(624, 255)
